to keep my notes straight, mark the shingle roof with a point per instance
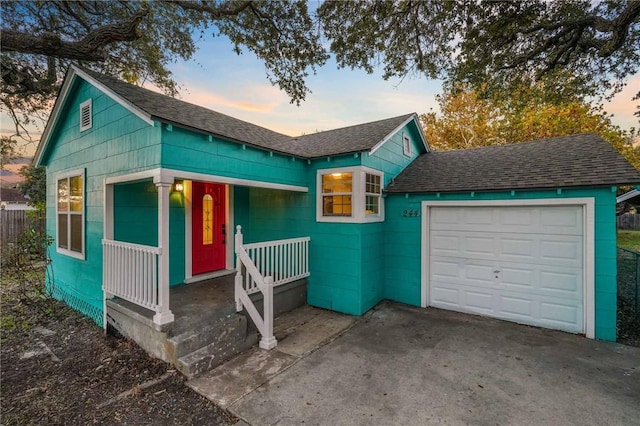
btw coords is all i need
(568, 161)
(358, 138)
(172, 110)
(12, 195)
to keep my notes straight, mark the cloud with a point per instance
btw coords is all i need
(622, 107)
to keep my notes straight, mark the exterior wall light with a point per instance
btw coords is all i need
(178, 186)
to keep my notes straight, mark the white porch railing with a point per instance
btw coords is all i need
(266, 265)
(130, 271)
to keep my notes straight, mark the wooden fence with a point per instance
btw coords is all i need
(628, 221)
(14, 222)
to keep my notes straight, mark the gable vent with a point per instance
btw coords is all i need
(85, 115)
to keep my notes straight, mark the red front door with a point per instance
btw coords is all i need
(208, 226)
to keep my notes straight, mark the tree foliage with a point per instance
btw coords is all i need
(474, 42)
(468, 119)
(34, 184)
(492, 43)
(138, 40)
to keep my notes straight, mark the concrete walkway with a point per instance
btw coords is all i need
(403, 365)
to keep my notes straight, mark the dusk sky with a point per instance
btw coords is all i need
(219, 79)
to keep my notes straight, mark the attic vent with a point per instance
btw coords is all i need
(85, 115)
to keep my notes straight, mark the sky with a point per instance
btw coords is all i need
(236, 85)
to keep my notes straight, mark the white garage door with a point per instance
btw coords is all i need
(522, 264)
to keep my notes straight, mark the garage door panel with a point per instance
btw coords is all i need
(565, 316)
(558, 220)
(559, 250)
(522, 264)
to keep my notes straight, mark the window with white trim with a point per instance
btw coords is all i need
(70, 214)
(86, 115)
(373, 194)
(406, 145)
(350, 194)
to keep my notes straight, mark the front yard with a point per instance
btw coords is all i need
(58, 368)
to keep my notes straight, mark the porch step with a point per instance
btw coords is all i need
(201, 350)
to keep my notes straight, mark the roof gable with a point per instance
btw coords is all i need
(568, 161)
(151, 106)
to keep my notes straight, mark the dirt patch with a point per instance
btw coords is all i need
(59, 368)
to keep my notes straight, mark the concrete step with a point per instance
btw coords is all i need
(202, 335)
(224, 346)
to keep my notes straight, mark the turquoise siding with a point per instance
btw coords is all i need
(194, 152)
(403, 250)
(130, 145)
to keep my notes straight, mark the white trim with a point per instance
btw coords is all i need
(627, 195)
(188, 235)
(188, 232)
(133, 177)
(406, 149)
(180, 174)
(209, 275)
(230, 239)
(397, 129)
(588, 205)
(357, 195)
(62, 98)
(113, 95)
(86, 104)
(81, 255)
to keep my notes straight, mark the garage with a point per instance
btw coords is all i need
(521, 261)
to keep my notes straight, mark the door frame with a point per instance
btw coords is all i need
(229, 247)
(588, 247)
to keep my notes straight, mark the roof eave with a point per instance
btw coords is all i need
(531, 188)
(62, 97)
(413, 117)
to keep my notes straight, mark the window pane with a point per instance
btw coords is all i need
(76, 232)
(373, 184)
(337, 182)
(63, 195)
(373, 204)
(207, 219)
(62, 231)
(336, 205)
(76, 193)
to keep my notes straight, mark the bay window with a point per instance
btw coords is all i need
(349, 194)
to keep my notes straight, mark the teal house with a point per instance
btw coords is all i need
(147, 194)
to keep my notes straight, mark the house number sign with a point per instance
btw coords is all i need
(411, 213)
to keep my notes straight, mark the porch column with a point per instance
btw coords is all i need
(164, 314)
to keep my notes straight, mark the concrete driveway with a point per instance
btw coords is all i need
(407, 366)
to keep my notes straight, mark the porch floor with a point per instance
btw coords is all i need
(193, 303)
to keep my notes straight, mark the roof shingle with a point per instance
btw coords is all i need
(358, 138)
(562, 162)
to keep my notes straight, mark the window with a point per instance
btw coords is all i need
(406, 145)
(373, 193)
(350, 194)
(85, 115)
(70, 214)
(207, 220)
(337, 193)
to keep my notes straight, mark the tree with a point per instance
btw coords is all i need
(137, 40)
(491, 43)
(34, 185)
(459, 40)
(468, 119)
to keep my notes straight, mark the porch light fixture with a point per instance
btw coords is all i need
(178, 186)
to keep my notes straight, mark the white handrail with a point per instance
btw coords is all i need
(267, 264)
(264, 284)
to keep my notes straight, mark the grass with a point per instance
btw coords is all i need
(629, 239)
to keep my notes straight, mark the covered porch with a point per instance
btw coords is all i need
(149, 252)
